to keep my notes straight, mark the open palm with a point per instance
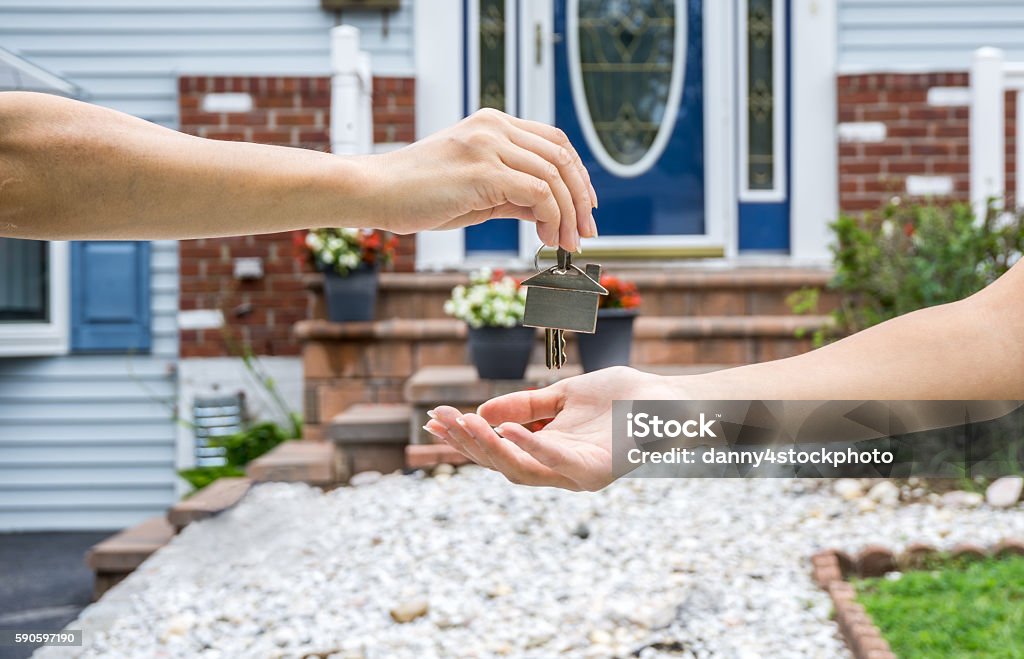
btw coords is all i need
(573, 451)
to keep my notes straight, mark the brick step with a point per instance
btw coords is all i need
(213, 499)
(427, 456)
(677, 292)
(116, 557)
(371, 437)
(351, 363)
(297, 461)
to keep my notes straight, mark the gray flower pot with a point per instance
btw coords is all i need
(352, 298)
(611, 344)
(501, 353)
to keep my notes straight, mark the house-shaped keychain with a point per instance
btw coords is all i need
(564, 297)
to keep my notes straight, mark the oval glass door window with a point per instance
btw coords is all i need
(626, 65)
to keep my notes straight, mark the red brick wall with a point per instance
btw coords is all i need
(287, 111)
(921, 139)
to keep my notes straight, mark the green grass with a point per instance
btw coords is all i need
(972, 610)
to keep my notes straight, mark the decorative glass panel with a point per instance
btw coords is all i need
(492, 54)
(626, 58)
(23, 280)
(760, 95)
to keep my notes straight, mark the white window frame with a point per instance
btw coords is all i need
(779, 105)
(51, 337)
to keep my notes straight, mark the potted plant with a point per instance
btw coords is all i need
(493, 305)
(350, 259)
(611, 343)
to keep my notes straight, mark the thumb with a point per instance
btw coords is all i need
(524, 406)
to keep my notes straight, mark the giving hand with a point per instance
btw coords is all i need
(489, 165)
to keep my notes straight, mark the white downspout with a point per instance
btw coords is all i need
(351, 94)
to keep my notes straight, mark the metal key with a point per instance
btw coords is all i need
(560, 299)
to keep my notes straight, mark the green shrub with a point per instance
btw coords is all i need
(200, 477)
(240, 449)
(907, 256)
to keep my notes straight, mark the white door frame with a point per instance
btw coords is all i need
(814, 203)
(719, 186)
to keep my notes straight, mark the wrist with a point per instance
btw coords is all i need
(352, 187)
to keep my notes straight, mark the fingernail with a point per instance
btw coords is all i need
(461, 421)
(432, 414)
(434, 432)
(593, 226)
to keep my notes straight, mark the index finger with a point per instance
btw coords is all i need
(557, 135)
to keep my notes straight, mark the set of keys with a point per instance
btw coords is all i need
(563, 298)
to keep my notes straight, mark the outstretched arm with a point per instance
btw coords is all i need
(70, 170)
(968, 350)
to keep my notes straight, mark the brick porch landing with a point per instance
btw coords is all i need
(690, 316)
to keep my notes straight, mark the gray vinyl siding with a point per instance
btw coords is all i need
(88, 441)
(127, 54)
(893, 35)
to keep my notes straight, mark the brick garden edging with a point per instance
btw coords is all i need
(832, 568)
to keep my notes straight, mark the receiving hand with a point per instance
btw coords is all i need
(489, 165)
(573, 451)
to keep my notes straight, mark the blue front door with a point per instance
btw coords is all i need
(629, 94)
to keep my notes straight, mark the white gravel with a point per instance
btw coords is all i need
(675, 568)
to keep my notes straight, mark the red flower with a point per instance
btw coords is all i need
(621, 294)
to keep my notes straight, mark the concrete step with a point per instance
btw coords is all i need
(677, 291)
(213, 499)
(116, 557)
(297, 461)
(371, 437)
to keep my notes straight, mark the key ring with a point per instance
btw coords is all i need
(536, 261)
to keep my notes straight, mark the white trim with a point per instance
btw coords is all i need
(46, 81)
(579, 97)
(949, 96)
(721, 214)
(929, 186)
(537, 88)
(1019, 192)
(862, 131)
(49, 338)
(814, 189)
(437, 40)
(227, 102)
(987, 146)
(779, 105)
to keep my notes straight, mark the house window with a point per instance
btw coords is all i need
(762, 99)
(33, 297)
(24, 285)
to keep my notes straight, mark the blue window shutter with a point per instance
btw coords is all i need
(110, 298)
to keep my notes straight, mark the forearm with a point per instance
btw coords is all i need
(969, 350)
(71, 170)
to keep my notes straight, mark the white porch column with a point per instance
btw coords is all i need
(986, 128)
(438, 42)
(814, 167)
(351, 94)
